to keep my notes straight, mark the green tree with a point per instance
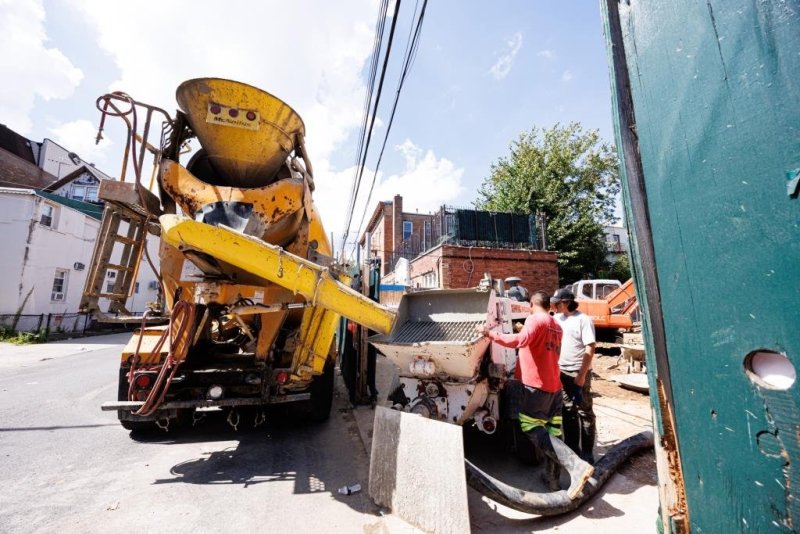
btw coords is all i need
(621, 268)
(570, 176)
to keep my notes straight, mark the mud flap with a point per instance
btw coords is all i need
(417, 471)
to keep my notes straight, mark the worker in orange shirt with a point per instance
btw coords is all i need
(539, 344)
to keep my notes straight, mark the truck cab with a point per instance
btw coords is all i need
(594, 289)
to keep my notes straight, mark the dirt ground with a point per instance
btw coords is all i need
(606, 366)
(618, 412)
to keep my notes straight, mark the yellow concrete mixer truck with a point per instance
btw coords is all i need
(244, 264)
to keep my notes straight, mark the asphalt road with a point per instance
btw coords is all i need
(66, 466)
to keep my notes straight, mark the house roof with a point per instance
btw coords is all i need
(87, 208)
(17, 190)
(18, 145)
(77, 173)
(19, 172)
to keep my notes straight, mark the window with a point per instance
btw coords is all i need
(429, 280)
(408, 229)
(78, 192)
(48, 213)
(136, 287)
(91, 194)
(587, 291)
(604, 290)
(59, 285)
(110, 287)
(112, 274)
(616, 243)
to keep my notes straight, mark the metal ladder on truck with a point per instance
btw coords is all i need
(131, 212)
(121, 243)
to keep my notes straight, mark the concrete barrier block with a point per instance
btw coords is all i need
(417, 471)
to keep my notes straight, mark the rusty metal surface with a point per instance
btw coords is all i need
(429, 331)
(247, 132)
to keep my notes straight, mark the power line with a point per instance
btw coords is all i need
(408, 61)
(360, 166)
(380, 24)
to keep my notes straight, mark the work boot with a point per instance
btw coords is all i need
(551, 474)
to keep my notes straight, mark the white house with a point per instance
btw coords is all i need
(58, 161)
(47, 242)
(82, 184)
(616, 240)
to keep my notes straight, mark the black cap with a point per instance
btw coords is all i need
(562, 295)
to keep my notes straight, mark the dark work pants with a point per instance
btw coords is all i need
(543, 405)
(578, 422)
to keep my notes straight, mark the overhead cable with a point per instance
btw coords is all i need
(380, 25)
(408, 61)
(365, 150)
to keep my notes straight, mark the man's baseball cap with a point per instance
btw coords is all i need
(562, 295)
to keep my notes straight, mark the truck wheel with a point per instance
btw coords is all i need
(137, 426)
(321, 395)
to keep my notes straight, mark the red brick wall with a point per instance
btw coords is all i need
(424, 264)
(452, 264)
(417, 238)
(397, 222)
(537, 269)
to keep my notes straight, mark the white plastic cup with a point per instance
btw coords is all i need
(349, 490)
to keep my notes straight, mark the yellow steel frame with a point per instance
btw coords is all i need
(328, 297)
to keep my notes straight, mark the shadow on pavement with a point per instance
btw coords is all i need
(314, 457)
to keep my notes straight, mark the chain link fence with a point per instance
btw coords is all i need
(53, 326)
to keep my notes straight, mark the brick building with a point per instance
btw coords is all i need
(393, 233)
(452, 266)
(439, 256)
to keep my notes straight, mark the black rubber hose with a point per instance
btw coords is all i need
(557, 502)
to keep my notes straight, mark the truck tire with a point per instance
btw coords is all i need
(137, 426)
(321, 395)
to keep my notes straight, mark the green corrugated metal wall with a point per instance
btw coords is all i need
(715, 88)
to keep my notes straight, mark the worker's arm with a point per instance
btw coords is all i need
(586, 365)
(587, 336)
(513, 341)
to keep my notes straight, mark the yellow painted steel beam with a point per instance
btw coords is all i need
(272, 263)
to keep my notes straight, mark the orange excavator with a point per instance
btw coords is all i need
(616, 311)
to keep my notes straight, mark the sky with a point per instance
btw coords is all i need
(484, 73)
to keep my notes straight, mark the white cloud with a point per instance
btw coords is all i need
(503, 65)
(314, 65)
(546, 54)
(567, 76)
(79, 137)
(28, 68)
(425, 184)
(316, 69)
